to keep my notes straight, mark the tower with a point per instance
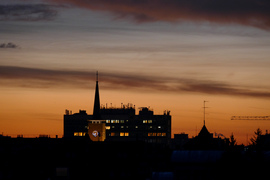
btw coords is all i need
(96, 126)
(96, 110)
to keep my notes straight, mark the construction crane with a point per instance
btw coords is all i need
(250, 118)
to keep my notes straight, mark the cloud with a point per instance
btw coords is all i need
(8, 45)
(244, 12)
(11, 76)
(27, 12)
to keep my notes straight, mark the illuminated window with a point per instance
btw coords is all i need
(108, 127)
(136, 127)
(112, 121)
(126, 126)
(159, 127)
(126, 120)
(116, 121)
(122, 134)
(152, 134)
(122, 127)
(113, 127)
(158, 134)
(112, 134)
(151, 127)
(144, 121)
(107, 121)
(122, 121)
(163, 134)
(150, 121)
(126, 134)
(79, 133)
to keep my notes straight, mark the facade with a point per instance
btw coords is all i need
(118, 124)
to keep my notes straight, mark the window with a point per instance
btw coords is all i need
(122, 121)
(150, 121)
(152, 134)
(107, 121)
(158, 134)
(124, 133)
(163, 134)
(113, 134)
(116, 121)
(144, 121)
(136, 127)
(151, 127)
(112, 121)
(79, 133)
(122, 127)
(108, 127)
(159, 127)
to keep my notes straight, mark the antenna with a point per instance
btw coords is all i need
(97, 76)
(204, 111)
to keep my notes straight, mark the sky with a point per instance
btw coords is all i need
(166, 54)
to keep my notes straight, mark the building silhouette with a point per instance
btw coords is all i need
(118, 124)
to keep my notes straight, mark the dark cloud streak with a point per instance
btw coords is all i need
(11, 76)
(244, 12)
(27, 12)
(8, 45)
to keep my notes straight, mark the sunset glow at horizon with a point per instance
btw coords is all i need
(148, 54)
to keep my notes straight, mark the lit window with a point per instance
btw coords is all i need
(126, 126)
(122, 121)
(116, 121)
(150, 121)
(108, 127)
(152, 134)
(151, 127)
(122, 127)
(79, 133)
(113, 127)
(159, 127)
(158, 134)
(112, 134)
(136, 127)
(126, 120)
(122, 134)
(163, 134)
(107, 121)
(126, 134)
(144, 121)
(112, 121)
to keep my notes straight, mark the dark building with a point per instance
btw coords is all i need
(121, 124)
(206, 141)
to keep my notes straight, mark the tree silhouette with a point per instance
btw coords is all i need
(256, 140)
(232, 141)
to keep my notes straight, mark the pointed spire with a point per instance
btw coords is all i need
(96, 111)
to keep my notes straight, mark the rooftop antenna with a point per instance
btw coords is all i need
(204, 111)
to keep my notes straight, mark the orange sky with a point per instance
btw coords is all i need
(49, 53)
(33, 112)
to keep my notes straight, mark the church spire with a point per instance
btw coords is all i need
(96, 111)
